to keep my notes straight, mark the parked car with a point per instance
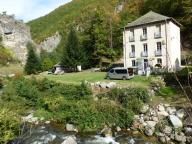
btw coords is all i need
(120, 73)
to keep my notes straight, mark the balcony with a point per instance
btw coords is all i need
(157, 35)
(144, 54)
(143, 37)
(158, 53)
(132, 55)
(131, 39)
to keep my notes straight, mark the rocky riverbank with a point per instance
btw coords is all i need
(168, 123)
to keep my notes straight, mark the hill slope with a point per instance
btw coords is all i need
(62, 17)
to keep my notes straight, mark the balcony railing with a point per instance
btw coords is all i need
(143, 37)
(158, 53)
(131, 39)
(144, 54)
(157, 35)
(132, 55)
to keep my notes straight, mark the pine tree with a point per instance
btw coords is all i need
(71, 53)
(32, 65)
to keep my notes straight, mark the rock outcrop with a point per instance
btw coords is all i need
(15, 35)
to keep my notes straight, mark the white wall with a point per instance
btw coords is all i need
(173, 44)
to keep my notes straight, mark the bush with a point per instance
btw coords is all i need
(25, 89)
(9, 125)
(183, 76)
(5, 55)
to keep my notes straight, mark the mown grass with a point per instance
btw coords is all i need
(77, 78)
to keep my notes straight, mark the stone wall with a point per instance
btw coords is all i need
(16, 35)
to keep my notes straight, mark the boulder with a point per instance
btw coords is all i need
(188, 131)
(156, 119)
(106, 132)
(171, 110)
(162, 114)
(144, 108)
(118, 129)
(180, 137)
(103, 85)
(164, 139)
(111, 85)
(160, 107)
(189, 139)
(151, 124)
(167, 130)
(180, 113)
(176, 122)
(70, 127)
(149, 131)
(70, 140)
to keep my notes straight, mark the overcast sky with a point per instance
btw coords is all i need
(29, 9)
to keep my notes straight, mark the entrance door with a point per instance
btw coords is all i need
(145, 64)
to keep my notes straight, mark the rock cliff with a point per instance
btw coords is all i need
(15, 35)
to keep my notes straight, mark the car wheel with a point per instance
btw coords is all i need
(124, 78)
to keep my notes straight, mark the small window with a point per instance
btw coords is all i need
(111, 71)
(132, 32)
(159, 46)
(133, 63)
(121, 71)
(145, 48)
(158, 28)
(145, 31)
(159, 61)
(133, 48)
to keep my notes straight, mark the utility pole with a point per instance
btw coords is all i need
(111, 33)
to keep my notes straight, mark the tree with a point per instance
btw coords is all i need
(32, 65)
(72, 54)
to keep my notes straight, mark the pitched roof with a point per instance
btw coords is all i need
(150, 17)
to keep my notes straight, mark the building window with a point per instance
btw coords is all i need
(145, 48)
(145, 31)
(158, 28)
(159, 46)
(133, 48)
(133, 63)
(132, 32)
(159, 61)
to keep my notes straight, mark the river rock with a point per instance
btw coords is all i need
(151, 124)
(118, 129)
(176, 122)
(106, 132)
(70, 127)
(167, 130)
(149, 131)
(189, 139)
(188, 131)
(164, 139)
(171, 110)
(180, 137)
(70, 140)
(162, 114)
(144, 108)
(160, 107)
(180, 113)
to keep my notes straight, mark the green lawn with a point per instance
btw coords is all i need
(76, 78)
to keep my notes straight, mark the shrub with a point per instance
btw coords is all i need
(9, 125)
(184, 77)
(5, 55)
(25, 89)
(46, 64)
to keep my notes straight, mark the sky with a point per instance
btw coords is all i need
(29, 9)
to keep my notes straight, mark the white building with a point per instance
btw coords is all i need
(152, 39)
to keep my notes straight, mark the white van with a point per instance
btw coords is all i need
(120, 73)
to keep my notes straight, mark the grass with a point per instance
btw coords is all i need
(77, 78)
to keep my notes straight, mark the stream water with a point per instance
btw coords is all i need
(49, 134)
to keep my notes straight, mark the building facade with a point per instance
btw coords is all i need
(152, 40)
